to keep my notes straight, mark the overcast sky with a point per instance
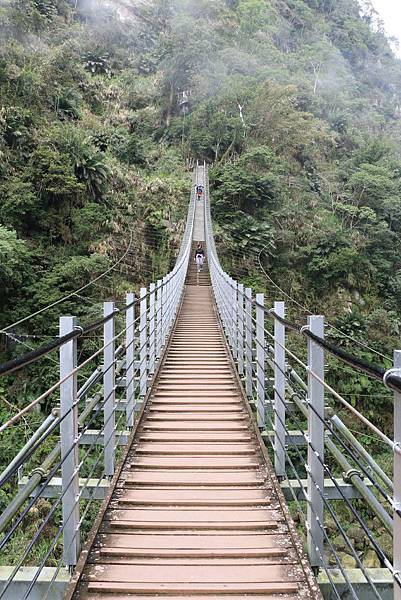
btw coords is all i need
(390, 11)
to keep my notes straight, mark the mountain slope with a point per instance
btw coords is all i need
(296, 103)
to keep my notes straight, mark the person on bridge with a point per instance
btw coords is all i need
(199, 191)
(199, 257)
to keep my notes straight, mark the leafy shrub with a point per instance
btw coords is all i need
(13, 257)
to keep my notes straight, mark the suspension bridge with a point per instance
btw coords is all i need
(194, 453)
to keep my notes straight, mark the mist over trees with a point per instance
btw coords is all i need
(294, 103)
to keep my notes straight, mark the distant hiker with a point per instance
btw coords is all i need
(199, 191)
(199, 257)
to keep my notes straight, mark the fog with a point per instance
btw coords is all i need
(390, 12)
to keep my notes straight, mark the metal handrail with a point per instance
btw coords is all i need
(243, 320)
(146, 336)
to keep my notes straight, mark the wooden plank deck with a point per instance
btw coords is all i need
(196, 512)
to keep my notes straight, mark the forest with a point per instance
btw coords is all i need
(294, 104)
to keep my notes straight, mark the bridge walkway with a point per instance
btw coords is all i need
(173, 462)
(196, 511)
(198, 233)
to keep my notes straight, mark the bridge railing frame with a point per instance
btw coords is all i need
(256, 336)
(133, 341)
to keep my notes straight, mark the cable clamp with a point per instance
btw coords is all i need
(389, 372)
(79, 328)
(351, 473)
(304, 328)
(40, 471)
(397, 447)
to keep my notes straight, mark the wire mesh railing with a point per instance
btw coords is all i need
(335, 487)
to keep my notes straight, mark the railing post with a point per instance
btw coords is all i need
(172, 288)
(159, 318)
(240, 337)
(248, 342)
(260, 359)
(234, 309)
(152, 328)
(219, 292)
(68, 436)
(279, 391)
(143, 338)
(168, 307)
(130, 383)
(230, 319)
(397, 483)
(171, 297)
(315, 488)
(164, 309)
(109, 390)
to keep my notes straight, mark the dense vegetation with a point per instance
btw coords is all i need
(295, 104)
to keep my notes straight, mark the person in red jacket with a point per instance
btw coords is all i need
(199, 191)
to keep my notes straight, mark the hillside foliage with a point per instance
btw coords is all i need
(295, 104)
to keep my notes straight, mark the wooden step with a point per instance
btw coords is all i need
(194, 497)
(218, 408)
(196, 449)
(195, 462)
(195, 436)
(193, 478)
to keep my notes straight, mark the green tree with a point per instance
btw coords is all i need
(13, 257)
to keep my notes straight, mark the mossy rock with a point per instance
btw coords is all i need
(371, 560)
(339, 543)
(386, 543)
(347, 561)
(356, 533)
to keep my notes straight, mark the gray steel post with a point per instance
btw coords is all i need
(168, 306)
(397, 483)
(248, 342)
(143, 338)
(234, 309)
(109, 390)
(68, 437)
(279, 391)
(227, 301)
(260, 359)
(164, 309)
(316, 446)
(240, 337)
(130, 383)
(152, 329)
(159, 318)
(222, 302)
